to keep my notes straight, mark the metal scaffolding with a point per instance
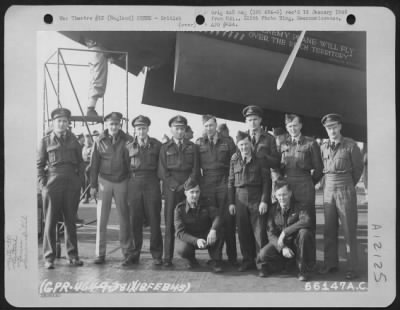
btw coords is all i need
(56, 85)
(60, 63)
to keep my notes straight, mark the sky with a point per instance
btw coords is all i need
(115, 97)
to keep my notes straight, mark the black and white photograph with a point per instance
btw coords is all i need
(218, 160)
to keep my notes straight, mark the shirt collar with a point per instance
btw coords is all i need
(248, 158)
(296, 139)
(188, 206)
(177, 141)
(214, 138)
(257, 133)
(291, 204)
(64, 134)
(337, 142)
(138, 141)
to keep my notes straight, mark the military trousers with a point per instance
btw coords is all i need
(60, 201)
(301, 244)
(250, 223)
(172, 198)
(107, 191)
(188, 250)
(340, 203)
(144, 200)
(215, 188)
(304, 193)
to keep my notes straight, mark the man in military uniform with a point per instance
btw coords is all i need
(61, 153)
(144, 194)
(197, 225)
(343, 167)
(264, 144)
(179, 160)
(289, 234)
(249, 194)
(215, 155)
(109, 174)
(301, 165)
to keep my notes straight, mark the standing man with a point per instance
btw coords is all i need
(249, 194)
(61, 153)
(264, 144)
(302, 166)
(197, 225)
(343, 167)
(144, 194)
(109, 176)
(215, 155)
(179, 160)
(98, 66)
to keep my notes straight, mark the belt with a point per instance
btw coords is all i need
(216, 172)
(67, 169)
(143, 174)
(297, 173)
(339, 178)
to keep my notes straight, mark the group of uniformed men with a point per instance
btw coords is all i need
(211, 187)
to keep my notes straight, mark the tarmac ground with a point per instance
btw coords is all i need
(144, 277)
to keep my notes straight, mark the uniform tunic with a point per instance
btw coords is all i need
(215, 159)
(60, 189)
(296, 223)
(144, 195)
(248, 185)
(174, 168)
(192, 224)
(109, 172)
(343, 167)
(266, 150)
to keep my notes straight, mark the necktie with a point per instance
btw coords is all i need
(294, 141)
(180, 145)
(211, 143)
(114, 139)
(62, 138)
(253, 140)
(142, 143)
(333, 145)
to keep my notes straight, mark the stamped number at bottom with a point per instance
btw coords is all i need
(335, 286)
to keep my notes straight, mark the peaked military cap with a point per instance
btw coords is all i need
(60, 112)
(241, 135)
(141, 120)
(252, 110)
(178, 121)
(115, 116)
(331, 118)
(189, 184)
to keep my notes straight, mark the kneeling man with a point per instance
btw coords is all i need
(197, 226)
(289, 234)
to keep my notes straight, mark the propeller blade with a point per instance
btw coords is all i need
(290, 61)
